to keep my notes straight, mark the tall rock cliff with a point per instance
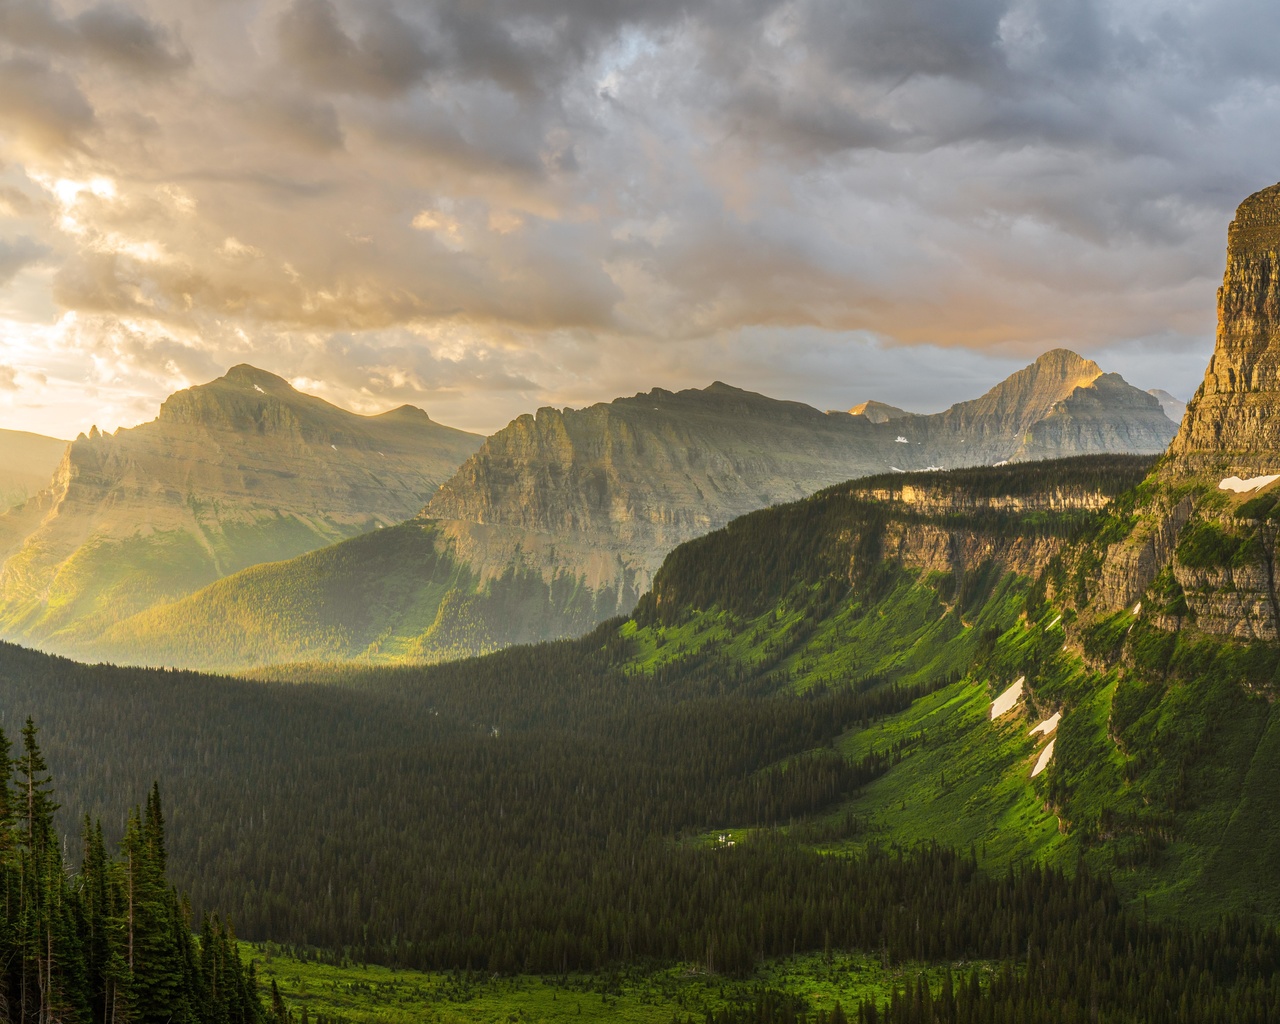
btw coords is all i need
(1232, 423)
(242, 470)
(1208, 537)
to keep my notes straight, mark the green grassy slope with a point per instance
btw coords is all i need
(1167, 756)
(392, 594)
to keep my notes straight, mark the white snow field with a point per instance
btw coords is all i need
(1048, 726)
(1234, 483)
(1005, 702)
(1046, 756)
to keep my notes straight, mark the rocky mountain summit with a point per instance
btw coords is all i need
(879, 412)
(241, 470)
(1060, 405)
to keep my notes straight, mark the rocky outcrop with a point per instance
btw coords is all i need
(1231, 428)
(239, 471)
(929, 548)
(1232, 425)
(944, 500)
(1230, 601)
(1131, 565)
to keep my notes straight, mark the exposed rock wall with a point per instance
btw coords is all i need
(1230, 601)
(930, 548)
(1233, 420)
(1131, 565)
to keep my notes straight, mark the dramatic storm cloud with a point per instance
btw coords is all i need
(480, 207)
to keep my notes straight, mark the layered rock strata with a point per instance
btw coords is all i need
(1232, 425)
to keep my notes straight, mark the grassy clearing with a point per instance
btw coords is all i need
(368, 994)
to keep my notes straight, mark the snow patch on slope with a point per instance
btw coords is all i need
(1234, 483)
(1046, 756)
(1004, 703)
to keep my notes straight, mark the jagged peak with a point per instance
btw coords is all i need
(1027, 395)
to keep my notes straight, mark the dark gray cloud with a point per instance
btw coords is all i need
(385, 57)
(109, 32)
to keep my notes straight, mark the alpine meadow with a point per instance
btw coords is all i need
(675, 513)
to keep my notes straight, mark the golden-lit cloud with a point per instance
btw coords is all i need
(481, 207)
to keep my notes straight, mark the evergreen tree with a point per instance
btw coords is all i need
(111, 944)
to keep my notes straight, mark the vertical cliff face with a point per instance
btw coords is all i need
(1219, 546)
(1233, 421)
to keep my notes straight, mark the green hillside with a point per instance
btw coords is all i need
(396, 594)
(403, 594)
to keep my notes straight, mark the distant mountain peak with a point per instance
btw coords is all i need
(1066, 362)
(404, 412)
(1173, 407)
(245, 373)
(879, 412)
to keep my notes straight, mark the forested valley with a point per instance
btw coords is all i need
(669, 788)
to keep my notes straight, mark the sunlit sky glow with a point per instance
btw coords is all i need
(482, 207)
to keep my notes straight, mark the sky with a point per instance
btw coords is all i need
(481, 208)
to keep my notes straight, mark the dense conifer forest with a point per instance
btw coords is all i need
(109, 943)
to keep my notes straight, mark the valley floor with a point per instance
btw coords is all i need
(369, 994)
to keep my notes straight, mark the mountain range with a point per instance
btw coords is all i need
(239, 471)
(560, 519)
